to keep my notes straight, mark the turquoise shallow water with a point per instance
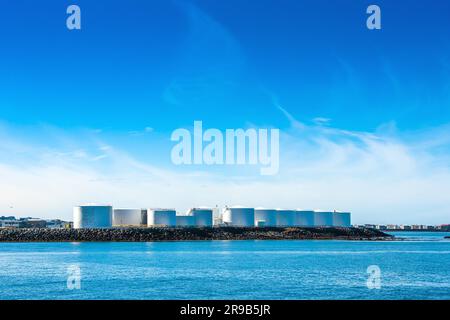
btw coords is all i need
(418, 268)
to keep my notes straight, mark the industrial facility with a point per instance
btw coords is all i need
(304, 218)
(265, 217)
(96, 216)
(342, 219)
(196, 217)
(203, 217)
(161, 218)
(286, 218)
(129, 217)
(92, 216)
(323, 218)
(238, 216)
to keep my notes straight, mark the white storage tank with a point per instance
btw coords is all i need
(92, 216)
(203, 216)
(239, 216)
(161, 218)
(185, 221)
(323, 218)
(127, 217)
(342, 219)
(268, 216)
(285, 218)
(304, 218)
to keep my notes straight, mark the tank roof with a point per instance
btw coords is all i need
(93, 205)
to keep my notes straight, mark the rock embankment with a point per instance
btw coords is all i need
(186, 234)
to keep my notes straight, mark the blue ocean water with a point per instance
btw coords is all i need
(415, 268)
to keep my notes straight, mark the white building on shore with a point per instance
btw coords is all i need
(265, 217)
(161, 218)
(323, 218)
(304, 218)
(342, 219)
(94, 216)
(129, 217)
(286, 218)
(203, 216)
(238, 216)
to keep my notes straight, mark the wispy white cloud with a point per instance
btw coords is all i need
(381, 177)
(136, 133)
(295, 124)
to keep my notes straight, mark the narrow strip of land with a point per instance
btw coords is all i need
(187, 234)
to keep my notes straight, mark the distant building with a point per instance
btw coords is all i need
(9, 223)
(56, 224)
(68, 225)
(218, 221)
(7, 218)
(32, 223)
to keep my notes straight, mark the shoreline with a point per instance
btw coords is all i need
(396, 230)
(190, 234)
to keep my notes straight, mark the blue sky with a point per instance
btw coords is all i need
(317, 56)
(140, 69)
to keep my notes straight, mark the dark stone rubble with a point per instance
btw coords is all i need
(187, 234)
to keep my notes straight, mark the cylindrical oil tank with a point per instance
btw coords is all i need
(323, 219)
(127, 217)
(304, 218)
(285, 218)
(203, 216)
(92, 216)
(342, 219)
(269, 216)
(185, 221)
(161, 218)
(239, 216)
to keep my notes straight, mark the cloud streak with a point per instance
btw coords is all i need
(381, 177)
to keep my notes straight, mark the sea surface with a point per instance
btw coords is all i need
(415, 267)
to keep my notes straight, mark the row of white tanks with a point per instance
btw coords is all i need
(107, 217)
(94, 216)
(262, 217)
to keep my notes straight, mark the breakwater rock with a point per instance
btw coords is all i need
(186, 234)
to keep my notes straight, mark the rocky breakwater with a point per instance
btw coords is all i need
(186, 234)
